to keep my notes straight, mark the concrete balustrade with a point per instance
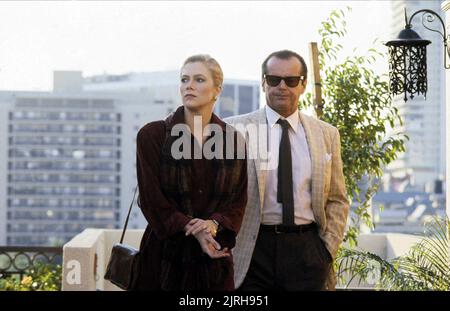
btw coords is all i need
(385, 245)
(86, 256)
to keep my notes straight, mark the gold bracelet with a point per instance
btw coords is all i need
(214, 232)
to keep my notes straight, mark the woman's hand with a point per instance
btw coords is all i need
(210, 246)
(205, 231)
(196, 225)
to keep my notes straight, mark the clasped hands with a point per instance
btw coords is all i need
(205, 231)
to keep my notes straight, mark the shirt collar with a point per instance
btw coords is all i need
(273, 116)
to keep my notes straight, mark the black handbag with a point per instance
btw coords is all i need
(123, 265)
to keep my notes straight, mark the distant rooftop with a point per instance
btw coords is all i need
(168, 77)
(406, 211)
(157, 77)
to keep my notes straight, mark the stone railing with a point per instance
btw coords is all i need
(86, 255)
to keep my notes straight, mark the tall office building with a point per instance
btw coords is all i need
(423, 163)
(63, 169)
(69, 161)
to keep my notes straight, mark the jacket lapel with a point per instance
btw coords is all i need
(258, 151)
(316, 145)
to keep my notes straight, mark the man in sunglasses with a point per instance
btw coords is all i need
(297, 209)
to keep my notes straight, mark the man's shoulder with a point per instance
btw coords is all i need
(243, 118)
(322, 124)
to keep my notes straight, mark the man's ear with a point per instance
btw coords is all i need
(304, 83)
(263, 83)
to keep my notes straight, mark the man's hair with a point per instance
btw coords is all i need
(211, 64)
(285, 54)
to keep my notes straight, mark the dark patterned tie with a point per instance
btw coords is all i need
(285, 193)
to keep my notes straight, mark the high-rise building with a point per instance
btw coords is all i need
(63, 170)
(69, 156)
(423, 163)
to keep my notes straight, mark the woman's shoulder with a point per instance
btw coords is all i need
(152, 130)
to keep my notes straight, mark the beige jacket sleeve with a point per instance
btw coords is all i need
(337, 204)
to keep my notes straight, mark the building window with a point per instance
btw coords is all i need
(245, 99)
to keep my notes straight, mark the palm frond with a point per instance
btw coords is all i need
(425, 267)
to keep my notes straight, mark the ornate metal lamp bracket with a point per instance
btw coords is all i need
(429, 16)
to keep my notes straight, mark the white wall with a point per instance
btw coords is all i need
(446, 9)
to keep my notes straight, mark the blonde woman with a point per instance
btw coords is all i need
(194, 205)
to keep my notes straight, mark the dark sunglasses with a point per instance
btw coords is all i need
(290, 81)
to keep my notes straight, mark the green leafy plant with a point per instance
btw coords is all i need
(41, 277)
(357, 101)
(425, 267)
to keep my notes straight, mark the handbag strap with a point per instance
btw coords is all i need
(128, 216)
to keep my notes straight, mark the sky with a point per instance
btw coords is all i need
(118, 37)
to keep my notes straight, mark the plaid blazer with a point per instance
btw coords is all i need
(328, 198)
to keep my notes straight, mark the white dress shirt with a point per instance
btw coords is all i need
(301, 171)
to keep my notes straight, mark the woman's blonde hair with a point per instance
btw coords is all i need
(211, 64)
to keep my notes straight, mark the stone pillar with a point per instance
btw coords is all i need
(80, 261)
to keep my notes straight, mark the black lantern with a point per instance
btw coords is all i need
(408, 58)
